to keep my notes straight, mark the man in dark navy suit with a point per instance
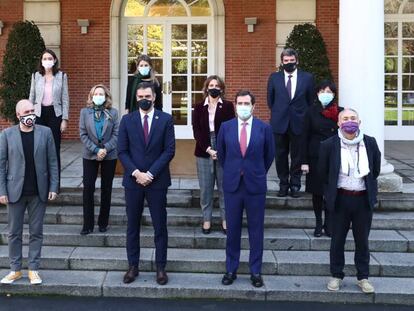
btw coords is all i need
(289, 94)
(246, 151)
(349, 164)
(146, 145)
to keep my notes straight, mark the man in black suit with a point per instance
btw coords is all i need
(146, 145)
(289, 94)
(349, 165)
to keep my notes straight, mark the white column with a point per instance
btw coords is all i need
(361, 66)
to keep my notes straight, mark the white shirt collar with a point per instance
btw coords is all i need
(150, 114)
(293, 74)
(249, 121)
(206, 101)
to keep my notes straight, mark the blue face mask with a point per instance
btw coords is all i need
(98, 100)
(325, 98)
(144, 71)
(244, 112)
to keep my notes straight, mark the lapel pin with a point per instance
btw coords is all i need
(220, 106)
(156, 117)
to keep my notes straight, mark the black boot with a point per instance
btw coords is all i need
(317, 209)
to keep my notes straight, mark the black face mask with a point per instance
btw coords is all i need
(289, 67)
(144, 104)
(214, 92)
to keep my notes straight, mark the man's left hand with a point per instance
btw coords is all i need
(52, 196)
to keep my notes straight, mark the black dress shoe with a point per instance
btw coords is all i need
(317, 233)
(223, 230)
(282, 193)
(205, 231)
(103, 229)
(294, 193)
(228, 278)
(131, 274)
(86, 231)
(162, 277)
(257, 280)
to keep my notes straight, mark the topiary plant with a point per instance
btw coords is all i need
(23, 50)
(308, 42)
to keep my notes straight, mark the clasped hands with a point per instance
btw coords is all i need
(143, 179)
(101, 154)
(212, 153)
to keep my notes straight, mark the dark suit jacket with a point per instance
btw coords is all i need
(330, 163)
(257, 161)
(154, 157)
(12, 163)
(287, 112)
(201, 127)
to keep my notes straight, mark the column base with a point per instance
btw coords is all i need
(390, 183)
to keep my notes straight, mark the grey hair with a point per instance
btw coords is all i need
(20, 104)
(348, 109)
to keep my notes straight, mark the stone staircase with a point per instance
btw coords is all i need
(295, 264)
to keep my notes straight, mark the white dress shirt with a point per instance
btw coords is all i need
(248, 128)
(212, 112)
(293, 79)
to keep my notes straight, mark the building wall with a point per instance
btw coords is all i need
(250, 57)
(11, 11)
(327, 17)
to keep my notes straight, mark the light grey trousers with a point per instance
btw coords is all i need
(36, 211)
(210, 173)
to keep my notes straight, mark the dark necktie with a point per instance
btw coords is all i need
(289, 86)
(146, 129)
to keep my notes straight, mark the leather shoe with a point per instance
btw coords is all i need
(103, 229)
(206, 231)
(228, 278)
(283, 192)
(162, 277)
(223, 230)
(294, 193)
(86, 231)
(131, 274)
(257, 280)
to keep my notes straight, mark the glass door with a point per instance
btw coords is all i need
(180, 53)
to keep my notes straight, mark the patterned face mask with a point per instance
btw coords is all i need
(28, 120)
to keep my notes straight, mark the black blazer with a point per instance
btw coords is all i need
(330, 162)
(158, 94)
(316, 128)
(287, 112)
(201, 127)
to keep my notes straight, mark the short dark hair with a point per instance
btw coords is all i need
(324, 84)
(289, 52)
(146, 85)
(55, 68)
(245, 93)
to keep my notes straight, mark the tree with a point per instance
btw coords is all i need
(23, 50)
(308, 42)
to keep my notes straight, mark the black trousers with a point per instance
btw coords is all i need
(288, 143)
(48, 118)
(355, 210)
(90, 173)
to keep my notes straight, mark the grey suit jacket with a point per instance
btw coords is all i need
(59, 90)
(88, 133)
(12, 163)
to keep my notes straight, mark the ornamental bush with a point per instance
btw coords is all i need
(308, 42)
(23, 50)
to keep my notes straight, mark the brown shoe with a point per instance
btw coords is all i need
(131, 274)
(162, 277)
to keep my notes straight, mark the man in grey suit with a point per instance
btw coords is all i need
(28, 179)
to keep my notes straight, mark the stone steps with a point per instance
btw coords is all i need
(190, 198)
(213, 261)
(191, 217)
(190, 237)
(208, 286)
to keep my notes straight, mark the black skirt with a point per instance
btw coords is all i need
(313, 180)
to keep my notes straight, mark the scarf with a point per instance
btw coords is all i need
(331, 112)
(361, 168)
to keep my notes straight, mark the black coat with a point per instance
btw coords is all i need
(129, 92)
(316, 128)
(330, 163)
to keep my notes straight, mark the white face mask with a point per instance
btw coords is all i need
(47, 64)
(144, 71)
(98, 99)
(244, 112)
